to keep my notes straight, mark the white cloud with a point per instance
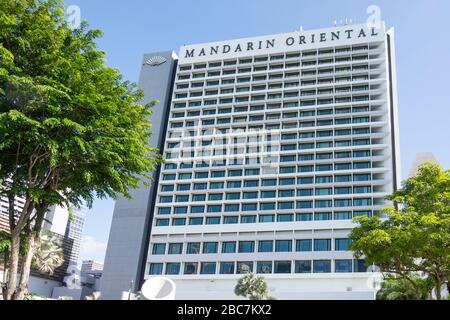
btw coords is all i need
(92, 249)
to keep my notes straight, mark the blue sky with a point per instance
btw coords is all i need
(134, 27)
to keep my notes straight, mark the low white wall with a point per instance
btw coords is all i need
(42, 286)
(317, 288)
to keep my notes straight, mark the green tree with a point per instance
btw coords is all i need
(71, 129)
(253, 287)
(398, 288)
(48, 254)
(415, 236)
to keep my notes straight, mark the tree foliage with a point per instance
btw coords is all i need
(71, 129)
(253, 287)
(415, 236)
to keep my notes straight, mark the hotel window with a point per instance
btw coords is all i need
(183, 187)
(180, 210)
(198, 197)
(210, 247)
(361, 177)
(323, 216)
(231, 220)
(251, 183)
(322, 245)
(162, 222)
(215, 196)
(214, 208)
(285, 217)
(156, 268)
(216, 185)
(264, 267)
(343, 190)
(361, 165)
(249, 207)
(322, 266)
(343, 203)
(246, 246)
(212, 220)
(173, 268)
(195, 221)
(208, 268)
(304, 245)
(343, 266)
(362, 202)
(226, 268)
(229, 247)
(283, 245)
(190, 268)
(179, 222)
(342, 166)
(343, 178)
(197, 209)
(175, 248)
(164, 211)
(304, 204)
(267, 218)
(303, 266)
(234, 184)
(265, 246)
(244, 267)
(342, 244)
(231, 208)
(183, 198)
(359, 266)
(267, 206)
(287, 182)
(362, 190)
(286, 193)
(193, 248)
(343, 215)
(304, 217)
(248, 219)
(282, 267)
(165, 199)
(324, 191)
(159, 249)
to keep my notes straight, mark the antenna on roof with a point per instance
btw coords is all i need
(300, 29)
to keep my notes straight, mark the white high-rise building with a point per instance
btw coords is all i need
(272, 145)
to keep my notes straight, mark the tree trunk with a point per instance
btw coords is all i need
(26, 268)
(33, 237)
(13, 267)
(438, 289)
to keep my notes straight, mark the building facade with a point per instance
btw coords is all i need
(272, 145)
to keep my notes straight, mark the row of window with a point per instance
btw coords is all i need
(303, 168)
(303, 245)
(276, 82)
(263, 218)
(252, 147)
(263, 267)
(292, 125)
(280, 56)
(308, 55)
(290, 65)
(291, 80)
(260, 107)
(303, 102)
(198, 91)
(266, 182)
(285, 193)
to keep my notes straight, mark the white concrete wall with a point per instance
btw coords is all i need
(341, 287)
(42, 286)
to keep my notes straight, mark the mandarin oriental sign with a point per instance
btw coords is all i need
(283, 42)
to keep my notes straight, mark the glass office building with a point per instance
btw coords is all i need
(273, 145)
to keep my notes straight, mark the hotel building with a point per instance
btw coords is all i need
(272, 145)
